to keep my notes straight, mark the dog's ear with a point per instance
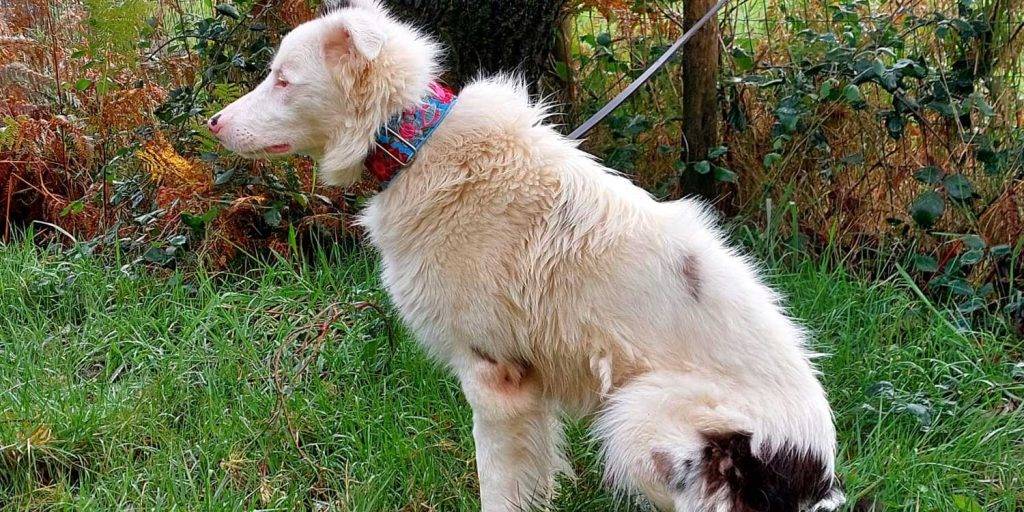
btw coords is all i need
(352, 34)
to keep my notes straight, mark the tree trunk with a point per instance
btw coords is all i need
(486, 37)
(700, 105)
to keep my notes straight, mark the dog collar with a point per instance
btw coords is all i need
(396, 143)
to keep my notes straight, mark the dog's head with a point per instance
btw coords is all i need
(332, 83)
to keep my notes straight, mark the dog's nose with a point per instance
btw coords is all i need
(214, 125)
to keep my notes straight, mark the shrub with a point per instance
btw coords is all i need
(873, 129)
(103, 130)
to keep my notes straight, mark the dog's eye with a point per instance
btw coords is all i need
(281, 83)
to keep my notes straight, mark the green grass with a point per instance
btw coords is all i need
(124, 389)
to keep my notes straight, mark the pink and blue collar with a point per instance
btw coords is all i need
(397, 142)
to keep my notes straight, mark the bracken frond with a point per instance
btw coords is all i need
(167, 167)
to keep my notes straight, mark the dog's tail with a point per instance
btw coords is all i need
(780, 480)
(674, 438)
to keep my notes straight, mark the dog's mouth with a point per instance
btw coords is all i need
(264, 152)
(278, 149)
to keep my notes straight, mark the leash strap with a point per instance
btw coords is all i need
(647, 74)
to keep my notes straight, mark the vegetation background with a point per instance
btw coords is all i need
(182, 328)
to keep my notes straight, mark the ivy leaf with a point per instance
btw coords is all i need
(157, 255)
(737, 117)
(927, 208)
(73, 208)
(771, 159)
(1017, 373)
(921, 412)
(907, 67)
(970, 306)
(788, 118)
(882, 389)
(198, 222)
(852, 94)
(971, 257)
(744, 62)
(228, 10)
(944, 108)
(964, 27)
(960, 287)
(723, 174)
(983, 107)
(702, 167)
(878, 67)
(717, 152)
(82, 84)
(272, 217)
(928, 174)
(958, 187)
(925, 263)
(829, 89)
(894, 124)
(888, 81)
(223, 177)
(974, 242)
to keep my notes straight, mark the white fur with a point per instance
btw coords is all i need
(548, 284)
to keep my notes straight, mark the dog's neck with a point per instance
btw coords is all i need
(396, 142)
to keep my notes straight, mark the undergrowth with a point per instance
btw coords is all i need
(879, 127)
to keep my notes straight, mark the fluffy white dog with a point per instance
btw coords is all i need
(550, 285)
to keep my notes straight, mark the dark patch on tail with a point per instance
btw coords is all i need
(785, 481)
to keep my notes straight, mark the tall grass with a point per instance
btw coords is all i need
(285, 387)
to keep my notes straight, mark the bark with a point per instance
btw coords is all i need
(700, 106)
(488, 36)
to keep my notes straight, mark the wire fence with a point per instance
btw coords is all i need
(612, 42)
(794, 127)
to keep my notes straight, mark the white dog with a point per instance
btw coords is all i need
(551, 285)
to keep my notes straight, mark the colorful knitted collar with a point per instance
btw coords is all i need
(396, 143)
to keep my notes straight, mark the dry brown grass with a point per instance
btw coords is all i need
(59, 144)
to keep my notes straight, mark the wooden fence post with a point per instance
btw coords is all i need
(700, 107)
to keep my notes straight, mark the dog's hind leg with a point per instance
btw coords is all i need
(517, 432)
(677, 439)
(651, 442)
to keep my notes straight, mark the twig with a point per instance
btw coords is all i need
(7, 215)
(312, 346)
(181, 37)
(392, 342)
(279, 384)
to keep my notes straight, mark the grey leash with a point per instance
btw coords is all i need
(628, 91)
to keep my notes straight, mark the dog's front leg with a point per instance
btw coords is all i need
(517, 433)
